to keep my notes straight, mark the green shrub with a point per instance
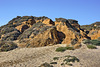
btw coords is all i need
(45, 65)
(55, 58)
(91, 47)
(69, 48)
(62, 49)
(87, 41)
(70, 59)
(69, 64)
(53, 63)
(62, 64)
(95, 42)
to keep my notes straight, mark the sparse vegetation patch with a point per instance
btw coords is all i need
(62, 49)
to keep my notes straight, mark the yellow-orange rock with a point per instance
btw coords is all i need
(22, 27)
(70, 33)
(25, 25)
(94, 34)
(48, 22)
(48, 37)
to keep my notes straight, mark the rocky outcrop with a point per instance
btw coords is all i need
(48, 22)
(39, 35)
(30, 31)
(94, 34)
(10, 36)
(69, 31)
(92, 26)
(7, 45)
(93, 30)
(74, 23)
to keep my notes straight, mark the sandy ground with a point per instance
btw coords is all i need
(34, 57)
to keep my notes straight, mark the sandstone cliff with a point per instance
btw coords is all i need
(30, 31)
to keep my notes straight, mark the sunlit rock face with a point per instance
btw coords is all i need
(30, 31)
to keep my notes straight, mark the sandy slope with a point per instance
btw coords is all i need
(33, 57)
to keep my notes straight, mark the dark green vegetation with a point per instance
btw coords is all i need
(91, 47)
(70, 59)
(7, 46)
(93, 42)
(62, 49)
(55, 58)
(66, 60)
(53, 63)
(45, 65)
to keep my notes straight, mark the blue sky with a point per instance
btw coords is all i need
(85, 11)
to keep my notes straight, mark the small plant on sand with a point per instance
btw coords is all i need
(55, 58)
(70, 59)
(69, 48)
(45, 65)
(62, 64)
(91, 47)
(62, 49)
(53, 63)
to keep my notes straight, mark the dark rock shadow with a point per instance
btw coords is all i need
(61, 36)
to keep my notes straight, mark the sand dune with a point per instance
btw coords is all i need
(33, 57)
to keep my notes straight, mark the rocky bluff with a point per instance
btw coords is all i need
(30, 31)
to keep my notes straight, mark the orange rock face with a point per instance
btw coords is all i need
(94, 34)
(25, 25)
(48, 22)
(48, 37)
(32, 31)
(69, 32)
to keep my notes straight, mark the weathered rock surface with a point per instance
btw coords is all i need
(94, 34)
(7, 45)
(74, 23)
(39, 35)
(93, 30)
(70, 33)
(30, 31)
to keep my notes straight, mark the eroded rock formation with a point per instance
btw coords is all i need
(30, 31)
